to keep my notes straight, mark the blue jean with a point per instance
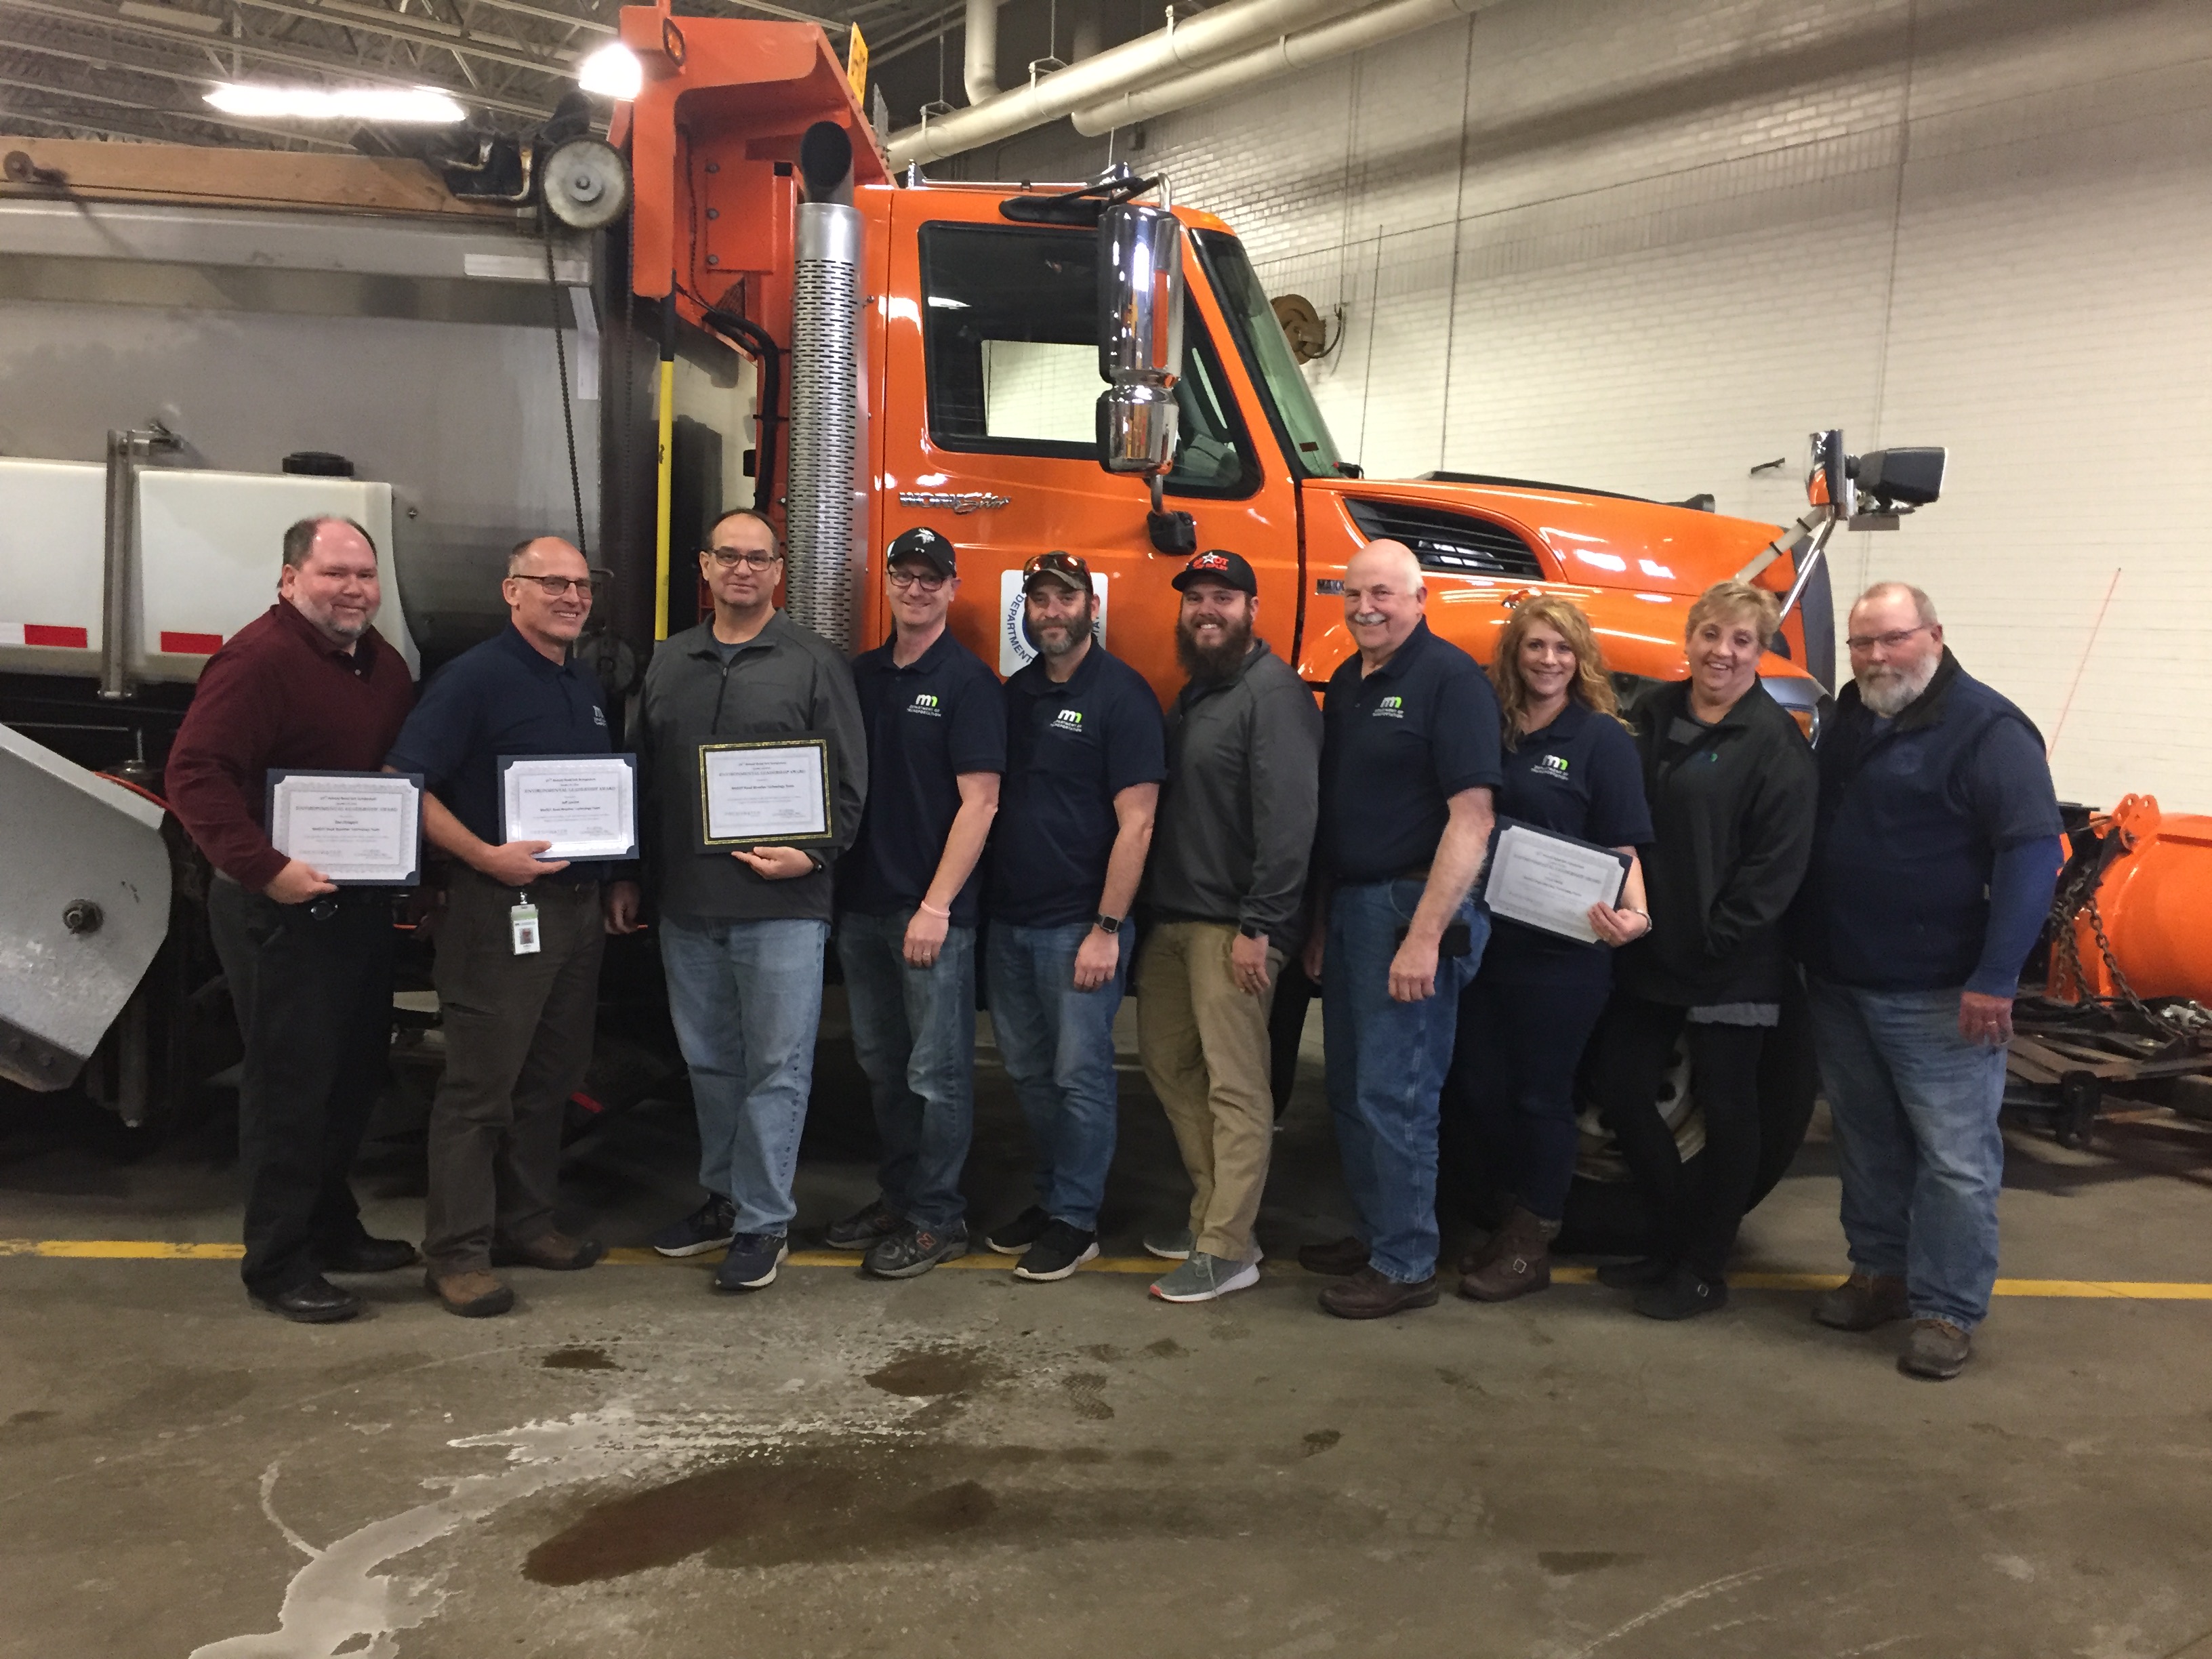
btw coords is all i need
(914, 1030)
(1387, 1061)
(746, 998)
(1057, 1046)
(1915, 1107)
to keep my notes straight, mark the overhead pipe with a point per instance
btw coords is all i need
(1203, 40)
(1338, 38)
(979, 66)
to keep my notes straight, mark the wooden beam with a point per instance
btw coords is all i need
(212, 176)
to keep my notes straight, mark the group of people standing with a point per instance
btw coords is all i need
(1248, 830)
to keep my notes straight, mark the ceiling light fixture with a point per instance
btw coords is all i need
(423, 105)
(175, 17)
(612, 71)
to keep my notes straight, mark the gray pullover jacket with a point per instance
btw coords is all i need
(1235, 820)
(786, 681)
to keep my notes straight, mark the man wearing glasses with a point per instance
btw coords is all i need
(907, 908)
(518, 1006)
(1086, 753)
(743, 933)
(1936, 847)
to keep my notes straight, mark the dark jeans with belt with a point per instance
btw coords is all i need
(518, 1041)
(312, 984)
(1694, 1220)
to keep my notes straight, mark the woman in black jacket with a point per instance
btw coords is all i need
(1732, 788)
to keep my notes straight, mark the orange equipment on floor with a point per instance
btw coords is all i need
(2137, 897)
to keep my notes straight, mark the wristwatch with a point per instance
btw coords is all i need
(1106, 924)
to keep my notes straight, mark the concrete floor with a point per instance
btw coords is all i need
(961, 1464)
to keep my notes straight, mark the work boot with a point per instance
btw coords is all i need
(1937, 1349)
(1861, 1303)
(1370, 1294)
(474, 1294)
(1521, 1263)
(1336, 1258)
(556, 1252)
(1478, 1256)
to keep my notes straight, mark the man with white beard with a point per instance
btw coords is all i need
(1936, 848)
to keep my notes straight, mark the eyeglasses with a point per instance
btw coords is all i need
(927, 580)
(729, 557)
(1888, 642)
(554, 587)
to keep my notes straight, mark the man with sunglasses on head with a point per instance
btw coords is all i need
(1085, 754)
(907, 908)
(518, 1003)
(743, 933)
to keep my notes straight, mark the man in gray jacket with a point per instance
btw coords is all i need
(1228, 868)
(742, 931)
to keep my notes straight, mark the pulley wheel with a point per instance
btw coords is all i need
(586, 186)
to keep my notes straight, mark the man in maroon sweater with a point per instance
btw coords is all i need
(306, 685)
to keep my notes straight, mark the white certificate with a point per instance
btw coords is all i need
(358, 829)
(585, 805)
(1550, 882)
(774, 794)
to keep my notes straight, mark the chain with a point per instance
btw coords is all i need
(2081, 895)
(561, 356)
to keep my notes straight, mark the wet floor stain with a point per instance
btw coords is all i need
(1166, 1348)
(845, 1502)
(24, 1419)
(1321, 1440)
(579, 1359)
(1086, 1391)
(930, 1373)
(1565, 1563)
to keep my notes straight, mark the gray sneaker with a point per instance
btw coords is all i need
(1202, 1278)
(914, 1251)
(1171, 1245)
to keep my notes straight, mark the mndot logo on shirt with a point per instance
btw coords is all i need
(1068, 720)
(925, 703)
(1551, 766)
(1391, 708)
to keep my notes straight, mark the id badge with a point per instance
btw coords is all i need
(522, 920)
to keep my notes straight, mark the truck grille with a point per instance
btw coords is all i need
(1447, 541)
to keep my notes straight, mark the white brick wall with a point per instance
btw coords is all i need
(1647, 244)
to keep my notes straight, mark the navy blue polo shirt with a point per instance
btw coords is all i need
(1396, 746)
(1069, 750)
(928, 722)
(502, 697)
(1578, 776)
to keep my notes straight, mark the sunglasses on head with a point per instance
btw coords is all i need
(1063, 564)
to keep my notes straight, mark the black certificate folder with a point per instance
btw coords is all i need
(766, 791)
(358, 829)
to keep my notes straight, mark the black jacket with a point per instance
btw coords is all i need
(1733, 807)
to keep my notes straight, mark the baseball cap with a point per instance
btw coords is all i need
(926, 545)
(1217, 565)
(1065, 568)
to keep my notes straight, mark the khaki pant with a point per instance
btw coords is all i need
(1204, 1045)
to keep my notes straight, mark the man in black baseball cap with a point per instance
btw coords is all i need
(1221, 567)
(923, 545)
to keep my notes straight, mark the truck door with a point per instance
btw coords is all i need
(992, 383)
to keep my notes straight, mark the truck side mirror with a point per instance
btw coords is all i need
(1140, 339)
(1903, 477)
(1828, 483)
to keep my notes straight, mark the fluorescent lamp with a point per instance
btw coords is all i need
(612, 71)
(175, 17)
(425, 105)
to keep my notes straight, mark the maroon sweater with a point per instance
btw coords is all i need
(278, 694)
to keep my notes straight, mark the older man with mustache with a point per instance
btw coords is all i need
(1936, 848)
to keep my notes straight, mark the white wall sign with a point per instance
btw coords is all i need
(1015, 650)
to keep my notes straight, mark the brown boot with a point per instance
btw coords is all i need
(1478, 1256)
(1861, 1303)
(473, 1295)
(1520, 1263)
(553, 1251)
(1369, 1294)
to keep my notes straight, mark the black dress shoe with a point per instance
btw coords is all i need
(318, 1302)
(369, 1256)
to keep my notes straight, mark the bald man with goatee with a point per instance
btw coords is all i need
(518, 1001)
(1410, 761)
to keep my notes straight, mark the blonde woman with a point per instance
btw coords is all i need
(1732, 787)
(1571, 768)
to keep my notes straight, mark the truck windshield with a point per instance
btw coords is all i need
(1266, 353)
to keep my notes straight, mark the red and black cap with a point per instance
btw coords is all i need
(925, 545)
(1065, 568)
(1217, 565)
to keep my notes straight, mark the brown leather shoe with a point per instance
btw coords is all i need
(554, 1252)
(1369, 1294)
(1861, 1303)
(1336, 1258)
(472, 1294)
(1520, 1263)
(1937, 1349)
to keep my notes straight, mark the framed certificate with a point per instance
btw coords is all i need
(1547, 880)
(359, 828)
(773, 793)
(585, 805)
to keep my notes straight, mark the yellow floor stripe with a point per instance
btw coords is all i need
(156, 1250)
